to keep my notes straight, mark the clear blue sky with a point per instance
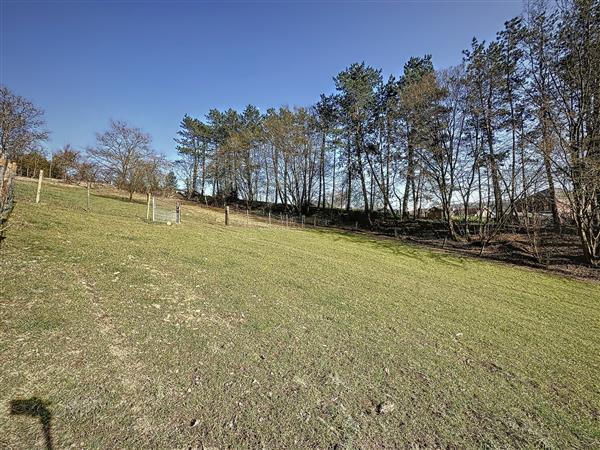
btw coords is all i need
(149, 63)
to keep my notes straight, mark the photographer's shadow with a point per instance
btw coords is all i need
(35, 407)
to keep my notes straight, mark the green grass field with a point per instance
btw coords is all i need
(124, 334)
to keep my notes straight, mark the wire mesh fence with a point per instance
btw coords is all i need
(160, 211)
(263, 218)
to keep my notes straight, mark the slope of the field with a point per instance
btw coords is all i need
(116, 333)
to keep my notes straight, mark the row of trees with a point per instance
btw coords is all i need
(122, 155)
(519, 115)
(66, 164)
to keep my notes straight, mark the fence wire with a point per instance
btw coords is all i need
(261, 218)
(164, 212)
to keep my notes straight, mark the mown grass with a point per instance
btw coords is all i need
(148, 336)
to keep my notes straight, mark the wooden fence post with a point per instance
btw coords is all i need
(314, 221)
(147, 206)
(247, 216)
(303, 220)
(39, 189)
(227, 215)
(269, 218)
(88, 196)
(153, 208)
(177, 213)
(396, 233)
(356, 225)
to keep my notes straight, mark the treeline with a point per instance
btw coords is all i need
(480, 141)
(65, 164)
(518, 116)
(122, 155)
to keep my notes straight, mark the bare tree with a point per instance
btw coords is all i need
(66, 162)
(121, 154)
(539, 51)
(184, 170)
(576, 117)
(21, 126)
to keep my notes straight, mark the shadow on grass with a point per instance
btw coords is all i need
(35, 407)
(120, 198)
(458, 256)
(396, 247)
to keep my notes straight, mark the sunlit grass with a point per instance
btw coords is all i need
(144, 335)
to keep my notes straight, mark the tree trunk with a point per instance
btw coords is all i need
(333, 179)
(361, 174)
(493, 165)
(203, 170)
(349, 167)
(322, 174)
(195, 173)
(409, 178)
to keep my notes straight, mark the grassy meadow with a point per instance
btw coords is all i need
(117, 333)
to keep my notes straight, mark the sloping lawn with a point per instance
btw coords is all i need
(117, 333)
